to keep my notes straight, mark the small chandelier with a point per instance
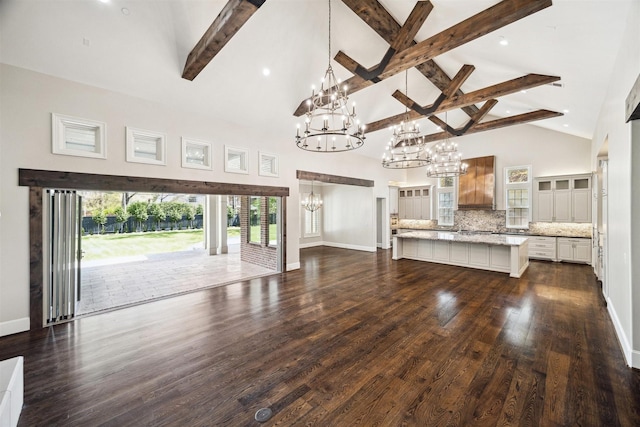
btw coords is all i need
(313, 202)
(446, 161)
(329, 125)
(406, 148)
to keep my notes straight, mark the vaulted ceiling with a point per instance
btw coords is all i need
(554, 70)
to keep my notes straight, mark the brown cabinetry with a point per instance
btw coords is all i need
(476, 189)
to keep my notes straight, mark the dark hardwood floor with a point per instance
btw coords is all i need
(352, 338)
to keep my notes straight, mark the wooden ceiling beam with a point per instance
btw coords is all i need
(402, 40)
(499, 123)
(480, 24)
(473, 121)
(501, 89)
(453, 87)
(412, 25)
(232, 17)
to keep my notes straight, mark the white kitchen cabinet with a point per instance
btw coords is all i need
(479, 255)
(574, 249)
(562, 199)
(393, 200)
(541, 247)
(459, 253)
(414, 203)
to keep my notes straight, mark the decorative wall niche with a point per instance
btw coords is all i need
(236, 160)
(73, 136)
(267, 164)
(144, 146)
(196, 154)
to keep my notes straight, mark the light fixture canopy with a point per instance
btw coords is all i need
(312, 202)
(330, 126)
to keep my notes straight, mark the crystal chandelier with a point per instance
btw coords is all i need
(329, 125)
(406, 148)
(313, 202)
(445, 161)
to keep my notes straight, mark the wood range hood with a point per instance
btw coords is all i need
(477, 188)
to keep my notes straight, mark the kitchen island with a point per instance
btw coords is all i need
(495, 252)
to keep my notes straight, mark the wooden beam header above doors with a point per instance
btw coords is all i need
(88, 181)
(333, 179)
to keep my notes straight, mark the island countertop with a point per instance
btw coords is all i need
(490, 239)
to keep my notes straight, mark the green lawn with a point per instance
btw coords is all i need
(101, 246)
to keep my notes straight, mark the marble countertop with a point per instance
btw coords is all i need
(490, 239)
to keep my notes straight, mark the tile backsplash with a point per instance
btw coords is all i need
(495, 221)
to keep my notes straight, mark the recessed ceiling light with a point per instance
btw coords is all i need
(266, 71)
(104, 1)
(566, 125)
(503, 41)
(125, 11)
(508, 111)
(523, 91)
(565, 111)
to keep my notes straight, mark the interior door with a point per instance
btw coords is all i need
(62, 255)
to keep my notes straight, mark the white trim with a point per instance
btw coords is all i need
(243, 166)
(158, 157)
(197, 144)
(353, 247)
(14, 326)
(311, 244)
(622, 338)
(293, 266)
(61, 123)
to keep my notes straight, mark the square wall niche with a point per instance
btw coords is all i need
(74, 136)
(196, 154)
(145, 146)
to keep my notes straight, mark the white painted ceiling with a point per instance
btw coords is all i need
(142, 53)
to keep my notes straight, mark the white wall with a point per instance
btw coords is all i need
(27, 101)
(349, 217)
(548, 152)
(624, 293)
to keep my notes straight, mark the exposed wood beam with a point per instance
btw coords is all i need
(417, 17)
(333, 179)
(459, 101)
(232, 17)
(89, 181)
(491, 19)
(453, 87)
(498, 123)
(475, 119)
(632, 103)
(381, 21)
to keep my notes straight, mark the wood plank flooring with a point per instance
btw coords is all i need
(350, 339)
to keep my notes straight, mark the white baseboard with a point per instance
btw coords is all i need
(629, 355)
(293, 266)
(310, 245)
(348, 246)
(14, 326)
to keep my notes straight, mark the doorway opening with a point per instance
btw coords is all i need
(138, 247)
(39, 181)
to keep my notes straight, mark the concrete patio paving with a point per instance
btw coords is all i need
(119, 282)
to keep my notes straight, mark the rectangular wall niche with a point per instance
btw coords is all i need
(73, 136)
(196, 154)
(145, 146)
(268, 164)
(236, 160)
